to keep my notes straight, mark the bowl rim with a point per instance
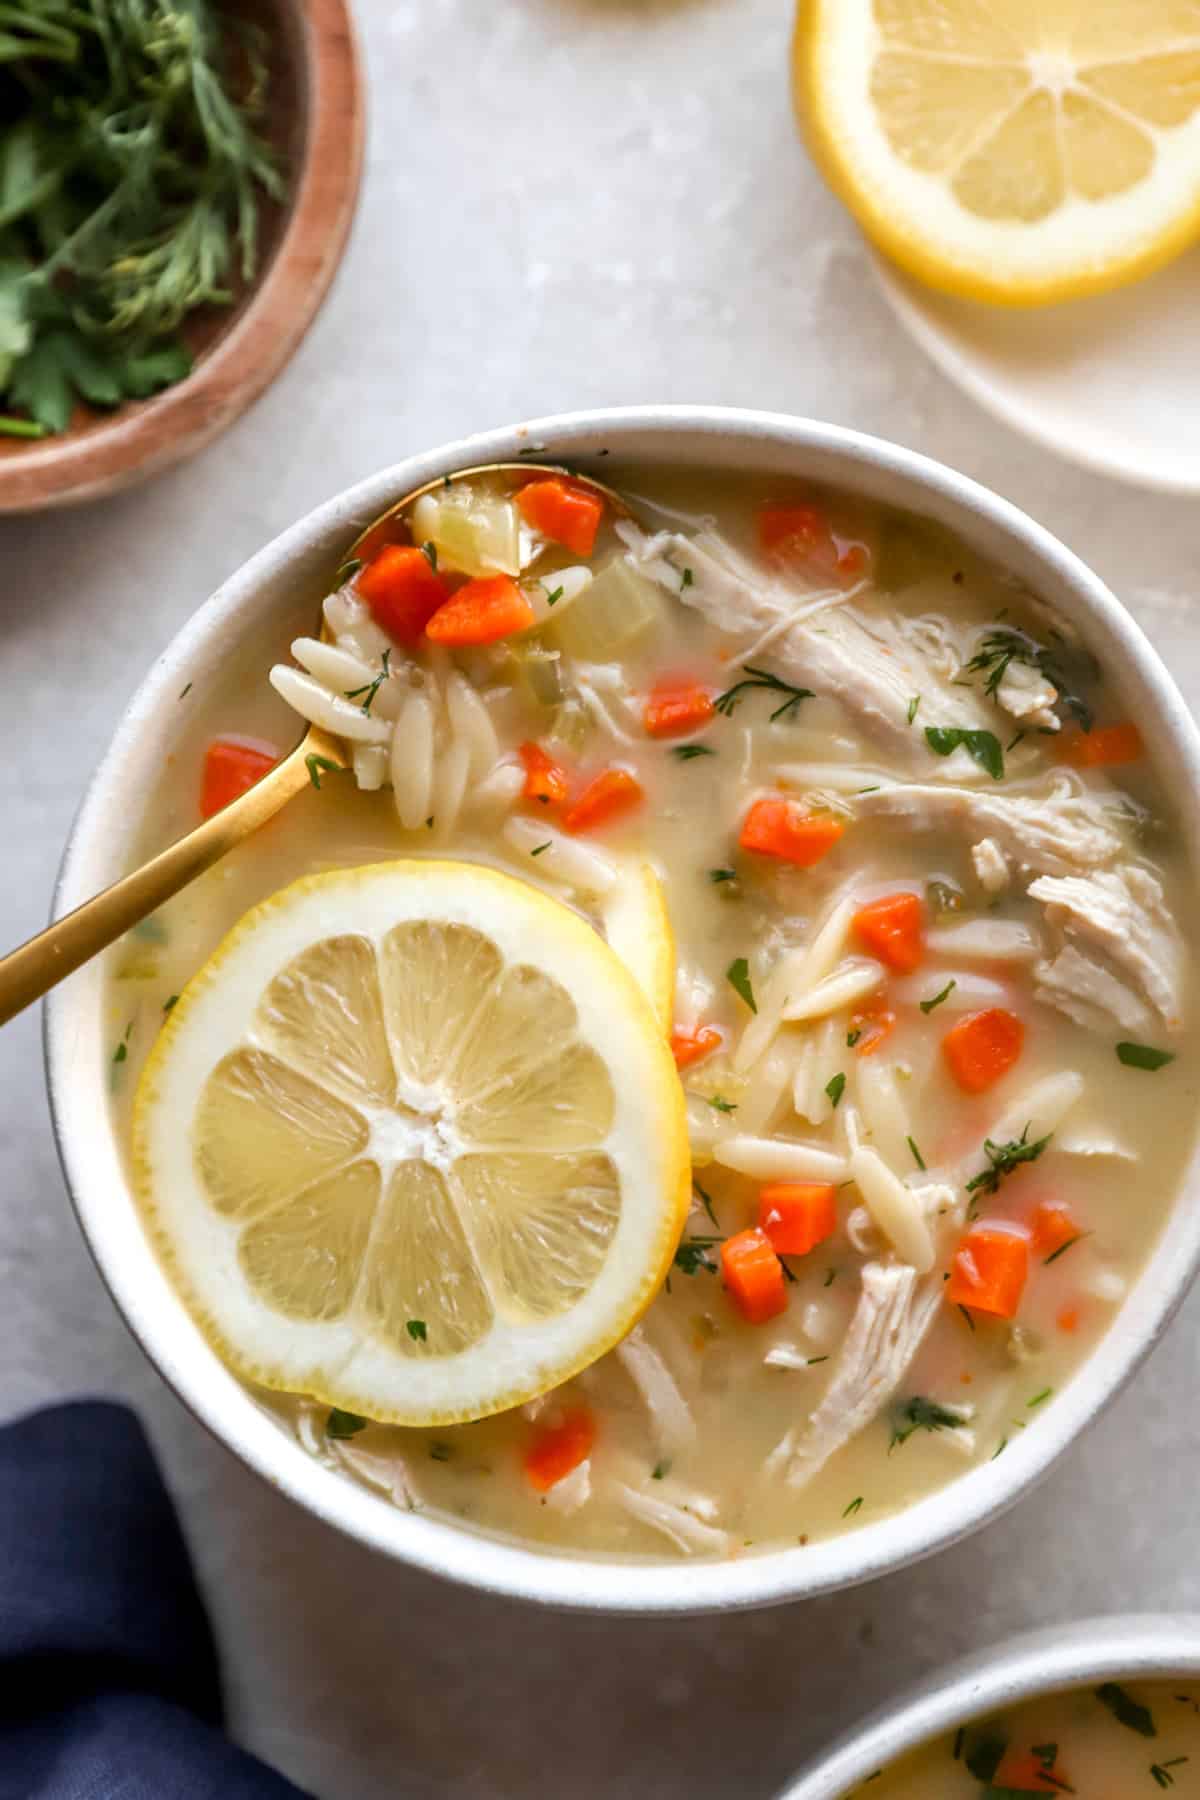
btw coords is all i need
(145, 437)
(1129, 1647)
(77, 1061)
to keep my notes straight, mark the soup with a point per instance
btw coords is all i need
(1114, 1739)
(930, 1001)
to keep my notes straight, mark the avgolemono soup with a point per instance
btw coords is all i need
(1113, 1741)
(876, 832)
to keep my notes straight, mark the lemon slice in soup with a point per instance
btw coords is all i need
(412, 1141)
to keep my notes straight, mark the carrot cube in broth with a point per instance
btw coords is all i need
(546, 781)
(1053, 1226)
(892, 930)
(802, 534)
(687, 1047)
(796, 1216)
(555, 1450)
(673, 709)
(403, 591)
(990, 1269)
(1103, 747)
(231, 769)
(481, 612)
(564, 511)
(753, 1276)
(613, 792)
(982, 1047)
(780, 828)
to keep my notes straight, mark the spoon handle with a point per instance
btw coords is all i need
(30, 971)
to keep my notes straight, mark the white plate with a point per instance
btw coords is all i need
(1112, 382)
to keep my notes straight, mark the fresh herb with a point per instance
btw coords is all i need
(686, 579)
(705, 1202)
(372, 687)
(429, 552)
(348, 571)
(854, 1506)
(927, 1006)
(944, 897)
(1039, 1399)
(1004, 1159)
(984, 746)
(1046, 1755)
(720, 1104)
(920, 1414)
(966, 1315)
(1161, 1772)
(1001, 1446)
(984, 1758)
(763, 679)
(917, 1157)
(1063, 1248)
(716, 876)
(661, 1469)
(835, 1088)
(429, 823)
(170, 1001)
(441, 1451)
(812, 1361)
(852, 1036)
(1017, 738)
(688, 752)
(416, 1330)
(959, 1737)
(913, 704)
(738, 977)
(184, 692)
(341, 1424)
(321, 765)
(130, 188)
(121, 1052)
(997, 649)
(692, 1255)
(1126, 1710)
(1141, 1056)
(867, 790)
(552, 599)
(538, 848)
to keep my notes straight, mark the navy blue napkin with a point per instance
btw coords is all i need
(109, 1688)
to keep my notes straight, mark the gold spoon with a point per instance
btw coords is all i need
(30, 971)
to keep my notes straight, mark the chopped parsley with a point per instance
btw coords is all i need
(716, 876)
(661, 1469)
(705, 1202)
(184, 692)
(1004, 1159)
(440, 1450)
(1161, 1772)
(814, 1360)
(835, 1088)
(539, 848)
(763, 679)
(371, 688)
(830, 1278)
(417, 1331)
(738, 977)
(341, 1424)
(121, 1052)
(917, 1157)
(170, 1001)
(1142, 1056)
(689, 752)
(920, 1414)
(1001, 1446)
(720, 1104)
(1063, 1248)
(686, 579)
(692, 1255)
(1039, 1399)
(854, 1506)
(1126, 1710)
(852, 1036)
(347, 572)
(927, 1006)
(429, 552)
(984, 1758)
(913, 704)
(997, 649)
(552, 599)
(983, 746)
(321, 765)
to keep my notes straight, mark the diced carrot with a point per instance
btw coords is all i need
(869, 1030)
(892, 930)
(545, 780)
(795, 1216)
(1052, 1226)
(1023, 1772)
(674, 708)
(1104, 747)
(990, 1269)
(403, 591)
(230, 769)
(781, 829)
(1068, 1319)
(557, 1449)
(687, 1047)
(481, 612)
(563, 510)
(982, 1047)
(614, 791)
(803, 534)
(753, 1275)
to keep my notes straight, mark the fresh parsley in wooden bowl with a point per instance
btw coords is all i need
(177, 182)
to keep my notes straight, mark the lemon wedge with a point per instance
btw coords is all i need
(637, 926)
(412, 1142)
(1020, 151)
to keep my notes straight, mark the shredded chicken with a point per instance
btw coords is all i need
(672, 1423)
(1120, 914)
(1061, 828)
(573, 1491)
(685, 1531)
(991, 866)
(388, 1473)
(1028, 697)
(1088, 992)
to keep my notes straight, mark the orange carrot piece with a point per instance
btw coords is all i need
(1104, 747)
(403, 591)
(1068, 1319)
(803, 534)
(557, 1449)
(753, 1276)
(1052, 1226)
(1024, 1773)
(675, 708)
(991, 1266)
(795, 1216)
(545, 780)
(982, 1047)
(564, 511)
(780, 829)
(230, 769)
(687, 1047)
(893, 930)
(481, 612)
(872, 1028)
(614, 791)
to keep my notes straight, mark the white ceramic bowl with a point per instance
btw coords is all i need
(256, 613)
(1139, 1647)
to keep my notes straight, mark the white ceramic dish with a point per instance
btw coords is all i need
(259, 610)
(1112, 382)
(1138, 1647)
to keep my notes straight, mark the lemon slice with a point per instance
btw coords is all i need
(637, 926)
(412, 1142)
(1017, 151)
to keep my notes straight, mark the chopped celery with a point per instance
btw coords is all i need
(539, 671)
(571, 728)
(473, 532)
(617, 607)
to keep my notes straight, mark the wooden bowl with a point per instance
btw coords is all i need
(316, 125)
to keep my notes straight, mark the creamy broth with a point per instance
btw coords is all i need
(871, 1387)
(1118, 1739)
